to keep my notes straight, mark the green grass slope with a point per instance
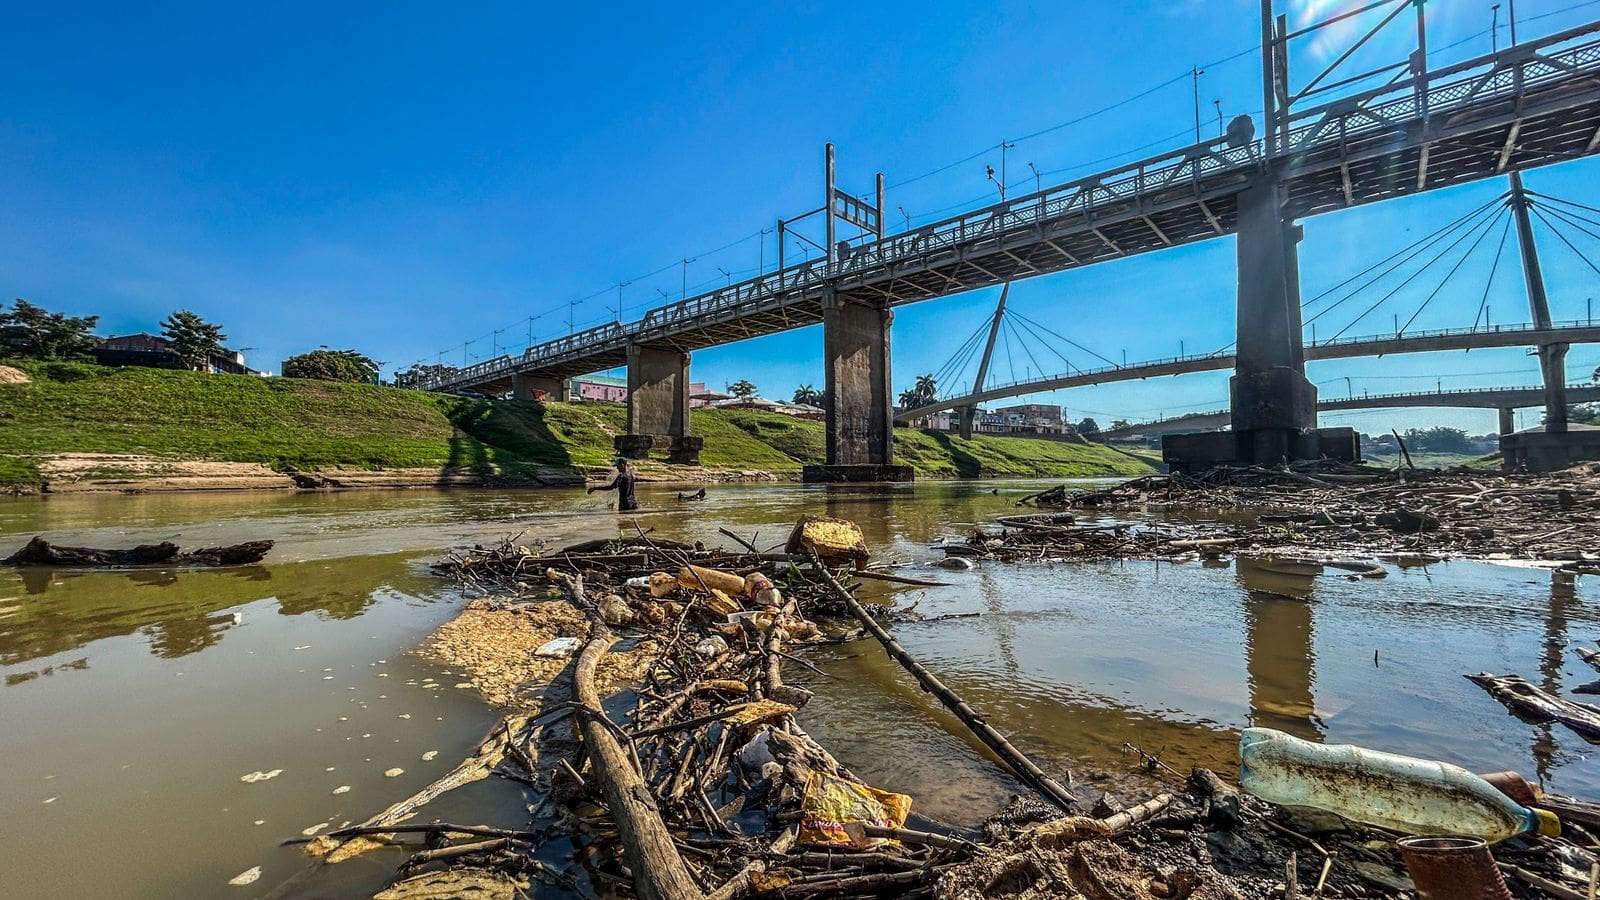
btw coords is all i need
(282, 422)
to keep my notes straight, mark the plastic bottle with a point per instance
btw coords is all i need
(1414, 796)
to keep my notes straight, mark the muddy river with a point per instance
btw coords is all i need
(135, 705)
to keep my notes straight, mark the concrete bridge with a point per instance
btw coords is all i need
(1581, 332)
(1529, 105)
(1505, 399)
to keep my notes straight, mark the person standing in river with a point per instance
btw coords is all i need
(622, 482)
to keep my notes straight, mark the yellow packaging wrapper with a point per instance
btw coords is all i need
(833, 810)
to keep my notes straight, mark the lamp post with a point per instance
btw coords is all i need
(620, 286)
(1038, 180)
(1194, 74)
(726, 274)
(685, 283)
(905, 215)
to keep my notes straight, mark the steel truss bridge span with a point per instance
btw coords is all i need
(1528, 105)
(1581, 332)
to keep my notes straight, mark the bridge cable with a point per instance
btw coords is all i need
(1451, 274)
(1425, 244)
(1562, 200)
(956, 364)
(1572, 218)
(1557, 232)
(1063, 337)
(1025, 349)
(1011, 365)
(1409, 278)
(1443, 229)
(1483, 303)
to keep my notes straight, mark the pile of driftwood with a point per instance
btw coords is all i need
(1343, 508)
(699, 781)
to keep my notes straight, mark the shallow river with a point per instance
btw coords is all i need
(132, 704)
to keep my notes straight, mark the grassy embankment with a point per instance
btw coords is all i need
(280, 422)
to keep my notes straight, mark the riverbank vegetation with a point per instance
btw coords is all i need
(301, 424)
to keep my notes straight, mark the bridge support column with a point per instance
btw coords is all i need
(536, 387)
(658, 406)
(1273, 407)
(857, 398)
(968, 417)
(1508, 421)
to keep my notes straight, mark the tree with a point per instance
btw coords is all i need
(332, 365)
(194, 340)
(418, 375)
(1438, 440)
(742, 389)
(31, 332)
(923, 392)
(1120, 423)
(1087, 426)
(808, 395)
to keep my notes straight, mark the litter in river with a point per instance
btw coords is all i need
(667, 758)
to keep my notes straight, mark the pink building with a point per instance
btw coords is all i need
(605, 389)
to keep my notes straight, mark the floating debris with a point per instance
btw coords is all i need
(254, 777)
(394, 772)
(248, 876)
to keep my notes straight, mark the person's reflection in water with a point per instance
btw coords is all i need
(1552, 658)
(1280, 655)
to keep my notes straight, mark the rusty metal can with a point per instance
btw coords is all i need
(1452, 868)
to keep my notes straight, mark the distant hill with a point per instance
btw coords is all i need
(82, 423)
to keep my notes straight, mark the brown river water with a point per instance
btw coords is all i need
(132, 704)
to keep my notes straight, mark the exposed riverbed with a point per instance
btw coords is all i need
(133, 703)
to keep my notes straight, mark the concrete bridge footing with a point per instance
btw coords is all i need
(857, 398)
(658, 406)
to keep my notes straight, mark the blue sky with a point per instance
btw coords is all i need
(402, 178)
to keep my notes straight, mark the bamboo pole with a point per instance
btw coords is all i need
(1019, 764)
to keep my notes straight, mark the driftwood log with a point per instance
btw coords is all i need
(647, 846)
(1014, 759)
(1528, 701)
(40, 552)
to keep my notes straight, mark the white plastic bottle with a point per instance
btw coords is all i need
(1414, 796)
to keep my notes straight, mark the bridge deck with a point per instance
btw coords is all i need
(1345, 348)
(1526, 106)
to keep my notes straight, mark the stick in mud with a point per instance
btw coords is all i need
(1014, 759)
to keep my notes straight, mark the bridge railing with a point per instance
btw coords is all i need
(1509, 71)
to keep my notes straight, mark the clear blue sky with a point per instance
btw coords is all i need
(401, 178)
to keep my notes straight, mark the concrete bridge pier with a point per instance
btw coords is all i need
(968, 418)
(537, 387)
(1273, 407)
(658, 406)
(857, 396)
(1508, 421)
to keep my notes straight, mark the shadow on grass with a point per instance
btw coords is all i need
(967, 465)
(513, 434)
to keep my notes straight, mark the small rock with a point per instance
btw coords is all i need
(308, 832)
(342, 789)
(248, 876)
(394, 773)
(428, 757)
(955, 563)
(254, 777)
